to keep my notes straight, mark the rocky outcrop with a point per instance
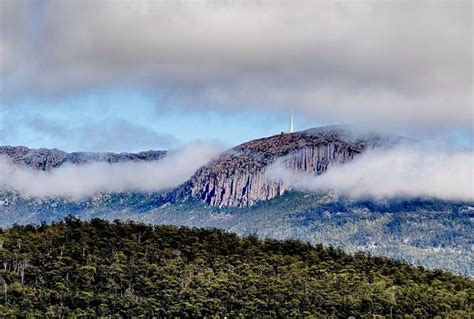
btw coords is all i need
(237, 177)
(46, 159)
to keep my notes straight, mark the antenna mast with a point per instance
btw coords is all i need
(291, 121)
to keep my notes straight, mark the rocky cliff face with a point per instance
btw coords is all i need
(237, 178)
(46, 159)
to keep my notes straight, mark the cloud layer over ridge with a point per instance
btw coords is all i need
(405, 64)
(79, 181)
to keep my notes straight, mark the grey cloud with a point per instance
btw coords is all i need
(404, 64)
(44, 126)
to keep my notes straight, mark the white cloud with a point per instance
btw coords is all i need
(408, 170)
(404, 64)
(78, 181)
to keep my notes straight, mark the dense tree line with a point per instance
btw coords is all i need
(428, 232)
(106, 269)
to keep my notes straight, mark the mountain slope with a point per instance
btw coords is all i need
(102, 269)
(237, 177)
(427, 232)
(46, 159)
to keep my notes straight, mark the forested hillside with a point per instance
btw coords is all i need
(99, 268)
(427, 232)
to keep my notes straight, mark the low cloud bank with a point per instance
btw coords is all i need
(415, 170)
(79, 181)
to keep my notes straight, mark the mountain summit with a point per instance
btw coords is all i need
(237, 177)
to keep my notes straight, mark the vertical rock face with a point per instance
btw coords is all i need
(237, 178)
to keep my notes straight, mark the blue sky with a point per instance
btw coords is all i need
(64, 123)
(127, 121)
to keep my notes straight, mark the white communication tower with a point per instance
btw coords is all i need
(292, 122)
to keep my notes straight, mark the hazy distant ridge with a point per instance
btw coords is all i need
(45, 159)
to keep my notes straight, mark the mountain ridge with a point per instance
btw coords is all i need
(46, 159)
(237, 177)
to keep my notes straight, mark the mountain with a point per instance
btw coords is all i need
(46, 159)
(237, 178)
(232, 193)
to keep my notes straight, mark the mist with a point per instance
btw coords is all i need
(408, 170)
(79, 181)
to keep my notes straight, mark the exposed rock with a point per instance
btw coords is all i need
(237, 177)
(46, 159)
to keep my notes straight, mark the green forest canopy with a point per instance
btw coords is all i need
(100, 269)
